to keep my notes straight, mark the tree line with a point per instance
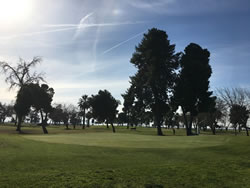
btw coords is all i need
(168, 88)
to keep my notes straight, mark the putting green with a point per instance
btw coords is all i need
(131, 140)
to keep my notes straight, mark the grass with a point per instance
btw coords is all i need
(95, 157)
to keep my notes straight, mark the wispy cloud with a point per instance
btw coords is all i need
(81, 23)
(123, 42)
(66, 27)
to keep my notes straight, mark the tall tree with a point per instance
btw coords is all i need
(191, 91)
(156, 62)
(84, 105)
(104, 107)
(21, 75)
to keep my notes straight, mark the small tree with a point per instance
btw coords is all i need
(104, 107)
(239, 116)
(39, 97)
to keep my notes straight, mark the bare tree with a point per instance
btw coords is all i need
(18, 76)
(21, 75)
(239, 96)
(236, 97)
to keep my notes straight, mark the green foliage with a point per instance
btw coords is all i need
(191, 91)
(156, 62)
(104, 107)
(36, 96)
(239, 116)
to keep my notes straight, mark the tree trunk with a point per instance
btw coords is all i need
(213, 130)
(67, 126)
(19, 119)
(247, 131)
(239, 128)
(113, 128)
(45, 131)
(88, 122)
(107, 124)
(186, 122)
(83, 124)
(235, 131)
(83, 121)
(158, 125)
(189, 127)
(43, 124)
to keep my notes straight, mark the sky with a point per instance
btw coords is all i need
(86, 45)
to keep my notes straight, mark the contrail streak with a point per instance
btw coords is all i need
(89, 25)
(121, 43)
(81, 23)
(37, 33)
(65, 27)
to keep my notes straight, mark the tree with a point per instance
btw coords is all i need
(23, 104)
(56, 115)
(5, 111)
(234, 98)
(239, 116)
(84, 105)
(21, 74)
(104, 107)
(128, 98)
(42, 99)
(36, 96)
(191, 90)
(156, 62)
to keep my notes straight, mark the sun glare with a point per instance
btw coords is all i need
(14, 11)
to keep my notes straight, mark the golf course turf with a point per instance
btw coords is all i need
(95, 157)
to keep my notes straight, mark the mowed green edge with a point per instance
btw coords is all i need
(121, 140)
(222, 162)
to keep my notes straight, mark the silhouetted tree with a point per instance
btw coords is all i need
(21, 74)
(128, 98)
(23, 104)
(5, 111)
(156, 62)
(239, 116)
(234, 97)
(191, 91)
(56, 115)
(84, 105)
(42, 97)
(104, 107)
(39, 97)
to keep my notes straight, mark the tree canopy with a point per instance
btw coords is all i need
(191, 90)
(156, 61)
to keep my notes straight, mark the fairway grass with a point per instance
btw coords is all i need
(121, 140)
(95, 157)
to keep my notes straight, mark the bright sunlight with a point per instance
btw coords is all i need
(14, 11)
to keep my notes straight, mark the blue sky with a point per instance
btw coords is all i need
(86, 45)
